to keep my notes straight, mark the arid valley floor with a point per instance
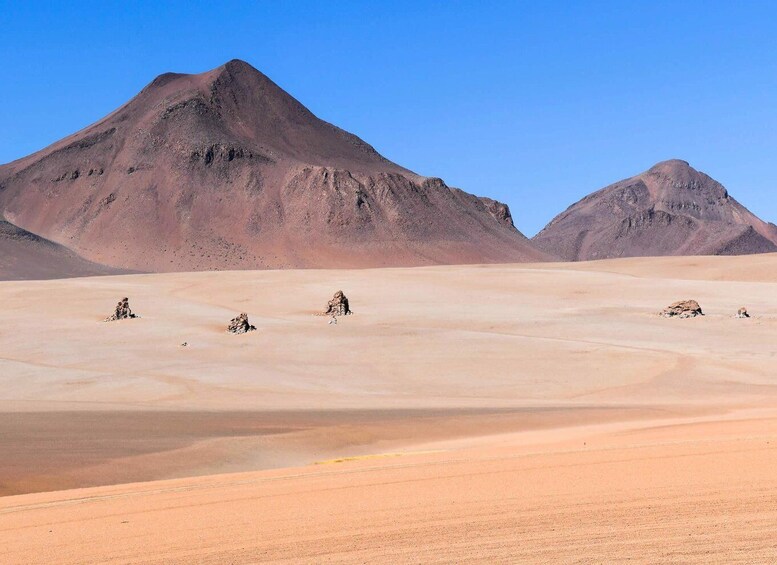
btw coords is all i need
(491, 414)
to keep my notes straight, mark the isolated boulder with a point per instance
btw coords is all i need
(122, 312)
(683, 309)
(338, 306)
(742, 313)
(240, 325)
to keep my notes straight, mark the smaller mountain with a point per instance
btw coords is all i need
(24, 256)
(670, 209)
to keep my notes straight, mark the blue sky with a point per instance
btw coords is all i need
(533, 103)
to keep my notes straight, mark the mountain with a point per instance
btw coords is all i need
(225, 170)
(24, 255)
(671, 209)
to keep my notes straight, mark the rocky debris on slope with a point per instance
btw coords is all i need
(122, 312)
(338, 306)
(742, 313)
(683, 309)
(240, 325)
(499, 210)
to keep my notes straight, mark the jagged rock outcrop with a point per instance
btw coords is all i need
(683, 309)
(122, 311)
(338, 306)
(671, 209)
(240, 325)
(742, 313)
(225, 170)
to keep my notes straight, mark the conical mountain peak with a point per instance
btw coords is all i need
(680, 174)
(672, 166)
(224, 169)
(239, 65)
(670, 209)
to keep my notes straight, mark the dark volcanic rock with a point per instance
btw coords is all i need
(338, 306)
(671, 209)
(240, 325)
(122, 311)
(683, 309)
(742, 313)
(226, 170)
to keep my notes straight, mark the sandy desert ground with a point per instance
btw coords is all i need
(498, 413)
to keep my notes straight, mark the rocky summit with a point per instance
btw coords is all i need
(671, 209)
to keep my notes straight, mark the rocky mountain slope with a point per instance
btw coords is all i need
(225, 170)
(671, 209)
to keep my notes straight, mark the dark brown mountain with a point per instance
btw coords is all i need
(671, 209)
(24, 255)
(226, 170)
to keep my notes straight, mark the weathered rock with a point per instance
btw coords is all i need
(683, 309)
(240, 325)
(122, 312)
(338, 306)
(742, 313)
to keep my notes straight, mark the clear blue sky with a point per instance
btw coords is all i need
(533, 103)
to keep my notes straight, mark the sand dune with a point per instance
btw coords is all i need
(527, 412)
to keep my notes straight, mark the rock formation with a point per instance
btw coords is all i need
(671, 209)
(742, 313)
(240, 325)
(226, 170)
(338, 306)
(683, 309)
(122, 311)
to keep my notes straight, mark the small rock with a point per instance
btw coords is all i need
(184, 344)
(338, 306)
(122, 312)
(683, 309)
(742, 313)
(240, 325)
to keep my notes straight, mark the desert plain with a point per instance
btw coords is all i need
(482, 413)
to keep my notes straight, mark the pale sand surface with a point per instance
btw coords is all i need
(526, 412)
